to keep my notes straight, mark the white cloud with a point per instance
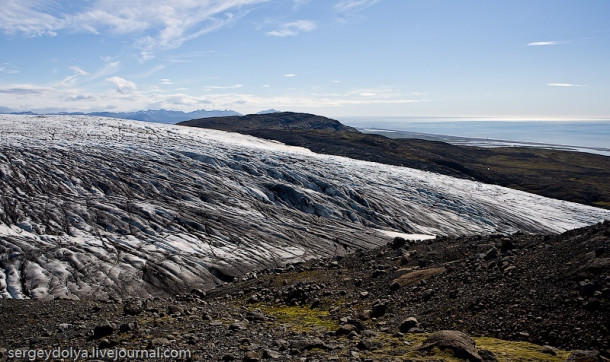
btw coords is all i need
(382, 92)
(166, 81)
(123, 86)
(336, 81)
(543, 43)
(23, 89)
(8, 69)
(211, 87)
(156, 24)
(110, 66)
(293, 28)
(78, 70)
(71, 80)
(564, 85)
(157, 68)
(29, 17)
(289, 75)
(128, 97)
(351, 6)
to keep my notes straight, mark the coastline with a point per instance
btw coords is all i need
(483, 142)
(569, 135)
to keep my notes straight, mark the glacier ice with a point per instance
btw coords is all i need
(99, 207)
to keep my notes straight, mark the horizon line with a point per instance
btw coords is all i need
(346, 117)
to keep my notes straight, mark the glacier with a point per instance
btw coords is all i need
(93, 207)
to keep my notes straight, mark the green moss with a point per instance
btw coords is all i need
(517, 351)
(391, 348)
(299, 317)
(407, 348)
(604, 204)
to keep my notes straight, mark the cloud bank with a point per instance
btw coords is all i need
(156, 24)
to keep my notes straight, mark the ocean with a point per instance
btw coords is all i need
(585, 136)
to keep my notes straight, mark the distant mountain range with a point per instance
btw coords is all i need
(157, 116)
(267, 111)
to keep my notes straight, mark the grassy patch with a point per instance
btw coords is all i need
(406, 348)
(604, 204)
(517, 351)
(302, 318)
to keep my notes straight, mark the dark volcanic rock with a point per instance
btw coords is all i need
(271, 121)
(346, 329)
(408, 324)
(379, 309)
(538, 301)
(251, 356)
(398, 243)
(103, 330)
(133, 306)
(584, 356)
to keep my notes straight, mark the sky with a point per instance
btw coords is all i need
(391, 58)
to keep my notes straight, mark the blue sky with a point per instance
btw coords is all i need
(449, 58)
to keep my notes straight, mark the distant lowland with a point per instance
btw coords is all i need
(553, 172)
(591, 136)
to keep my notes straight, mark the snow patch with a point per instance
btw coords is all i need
(395, 234)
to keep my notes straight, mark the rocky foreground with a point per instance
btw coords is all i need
(519, 297)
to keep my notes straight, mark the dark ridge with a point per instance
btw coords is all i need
(270, 121)
(572, 176)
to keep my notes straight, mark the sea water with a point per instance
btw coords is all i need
(588, 136)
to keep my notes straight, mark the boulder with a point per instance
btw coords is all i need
(458, 342)
(251, 356)
(398, 243)
(584, 356)
(174, 309)
(346, 329)
(408, 324)
(379, 309)
(133, 307)
(103, 330)
(416, 276)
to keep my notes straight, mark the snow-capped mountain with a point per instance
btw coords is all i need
(268, 111)
(99, 207)
(165, 116)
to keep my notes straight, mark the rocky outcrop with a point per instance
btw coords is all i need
(271, 121)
